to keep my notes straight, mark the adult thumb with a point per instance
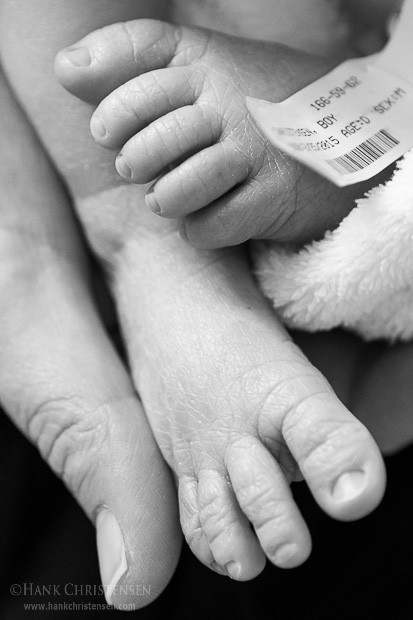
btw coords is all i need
(63, 383)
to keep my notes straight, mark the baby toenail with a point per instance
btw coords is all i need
(78, 56)
(97, 128)
(285, 554)
(122, 167)
(151, 202)
(349, 485)
(233, 569)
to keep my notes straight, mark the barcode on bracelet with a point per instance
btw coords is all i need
(365, 154)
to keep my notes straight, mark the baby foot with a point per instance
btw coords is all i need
(237, 410)
(180, 116)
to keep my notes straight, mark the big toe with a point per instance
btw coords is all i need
(106, 58)
(337, 456)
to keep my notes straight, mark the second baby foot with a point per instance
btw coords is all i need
(180, 117)
(237, 410)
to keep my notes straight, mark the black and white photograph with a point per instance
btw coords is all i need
(206, 309)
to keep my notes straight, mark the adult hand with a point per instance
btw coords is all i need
(62, 382)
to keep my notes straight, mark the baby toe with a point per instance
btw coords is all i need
(337, 456)
(174, 137)
(191, 524)
(265, 497)
(199, 181)
(227, 530)
(144, 99)
(106, 58)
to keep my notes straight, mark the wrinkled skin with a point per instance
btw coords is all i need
(202, 343)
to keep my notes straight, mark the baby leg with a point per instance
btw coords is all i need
(236, 408)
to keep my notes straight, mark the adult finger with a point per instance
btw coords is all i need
(62, 382)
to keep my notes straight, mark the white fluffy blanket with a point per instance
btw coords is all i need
(359, 276)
